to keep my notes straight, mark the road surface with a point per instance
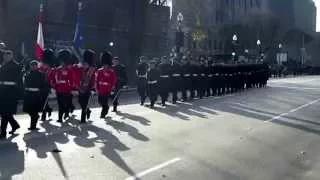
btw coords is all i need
(262, 134)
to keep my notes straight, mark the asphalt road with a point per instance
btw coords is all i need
(262, 134)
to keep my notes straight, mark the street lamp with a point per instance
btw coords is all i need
(234, 57)
(259, 43)
(180, 19)
(235, 38)
(179, 33)
(246, 52)
(111, 44)
(260, 49)
(280, 46)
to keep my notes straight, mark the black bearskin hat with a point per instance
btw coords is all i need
(106, 58)
(89, 57)
(48, 57)
(64, 56)
(74, 59)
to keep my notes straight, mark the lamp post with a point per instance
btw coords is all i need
(234, 57)
(234, 38)
(234, 44)
(179, 33)
(246, 52)
(260, 49)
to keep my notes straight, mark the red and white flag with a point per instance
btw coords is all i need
(40, 40)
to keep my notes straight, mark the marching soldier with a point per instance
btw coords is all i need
(209, 79)
(202, 86)
(10, 92)
(164, 81)
(46, 67)
(36, 84)
(105, 82)
(64, 84)
(87, 78)
(185, 78)
(175, 80)
(142, 79)
(194, 79)
(153, 78)
(122, 80)
(2, 50)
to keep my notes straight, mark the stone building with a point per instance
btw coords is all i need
(135, 27)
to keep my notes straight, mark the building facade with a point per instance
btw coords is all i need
(135, 27)
(209, 17)
(300, 14)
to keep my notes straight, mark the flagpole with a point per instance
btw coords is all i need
(78, 37)
(40, 39)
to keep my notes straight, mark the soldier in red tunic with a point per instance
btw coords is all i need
(87, 78)
(105, 82)
(64, 84)
(47, 68)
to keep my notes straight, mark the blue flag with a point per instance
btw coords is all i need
(78, 40)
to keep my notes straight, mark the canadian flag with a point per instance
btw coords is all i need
(40, 40)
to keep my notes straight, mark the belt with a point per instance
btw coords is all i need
(152, 82)
(62, 82)
(143, 76)
(32, 89)
(230, 74)
(194, 75)
(216, 74)
(187, 75)
(164, 76)
(8, 83)
(104, 83)
(210, 75)
(203, 75)
(176, 75)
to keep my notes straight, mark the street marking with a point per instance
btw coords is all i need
(155, 168)
(292, 87)
(293, 110)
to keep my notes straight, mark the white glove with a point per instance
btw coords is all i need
(75, 93)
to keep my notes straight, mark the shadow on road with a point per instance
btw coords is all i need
(133, 117)
(111, 143)
(44, 143)
(240, 107)
(12, 161)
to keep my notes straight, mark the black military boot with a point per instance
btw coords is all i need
(83, 116)
(3, 136)
(115, 109)
(60, 115)
(49, 111)
(88, 113)
(14, 129)
(43, 116)
(152, 104)
(34, 121)
(104, 112)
